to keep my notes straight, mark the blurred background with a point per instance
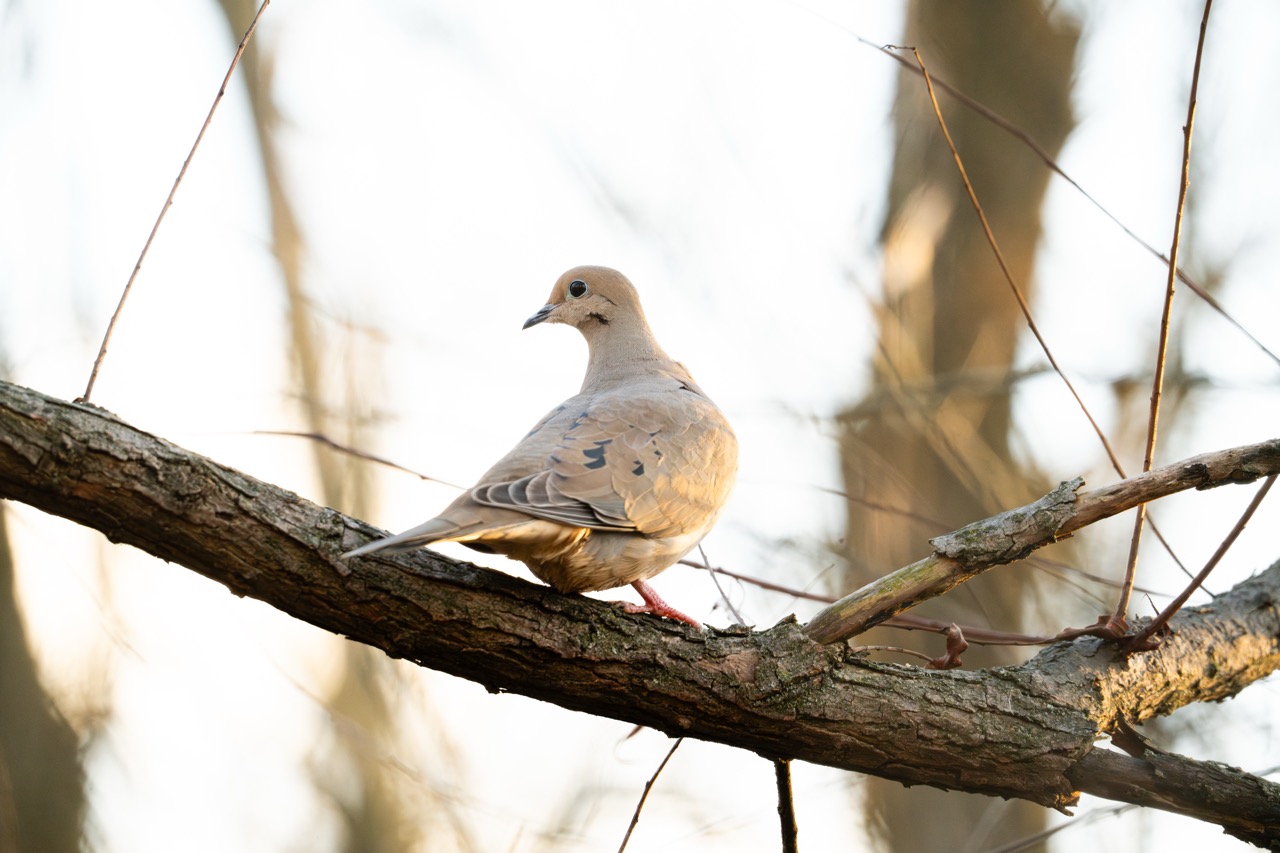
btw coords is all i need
(391, 187)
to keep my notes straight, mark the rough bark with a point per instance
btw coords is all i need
(1026, 732)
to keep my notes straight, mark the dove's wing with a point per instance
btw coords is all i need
(658, 460)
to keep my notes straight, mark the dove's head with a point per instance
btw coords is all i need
(592, 299)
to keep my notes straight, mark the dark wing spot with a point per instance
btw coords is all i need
(596, 455)
(639, 469)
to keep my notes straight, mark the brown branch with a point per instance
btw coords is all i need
(1244, 805)
(1142, 639)
(1014, 288)
(786, 806)
(1013, 535)
(1117, 622)
(168, 202)
(326, 441)
(648, 786)
(997, 120)
(1025, 308)
(1025, 732)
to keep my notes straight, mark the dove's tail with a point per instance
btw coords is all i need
(424, 534)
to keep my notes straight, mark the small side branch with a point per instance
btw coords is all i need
(168, 202)
(1244, 805)
(786, 806)
(648, 786)
(1013, 535)
(1117, 621)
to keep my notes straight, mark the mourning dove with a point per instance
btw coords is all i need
(613, 485)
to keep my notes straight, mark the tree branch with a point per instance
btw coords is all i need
(1200, 789)
(1012, 535)
(1024, 732)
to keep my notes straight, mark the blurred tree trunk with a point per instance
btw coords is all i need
(932, 436)
(41, 781)
(353, 771)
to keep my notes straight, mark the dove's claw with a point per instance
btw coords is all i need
(654, 604)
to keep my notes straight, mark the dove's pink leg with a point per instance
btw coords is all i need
(654, 604)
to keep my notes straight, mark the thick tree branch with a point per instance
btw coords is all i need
(1024, 732)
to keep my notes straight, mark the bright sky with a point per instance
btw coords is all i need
(448, 161)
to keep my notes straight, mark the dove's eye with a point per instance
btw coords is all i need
(577, 288)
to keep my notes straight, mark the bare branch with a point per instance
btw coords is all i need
(1013, 535)
(1014, 288)
(648, 786)
(1039, 151)
(328, 442)
(786, 806)
(1117, 622)
(1142, 639)
(168, 202)
(1244, 805)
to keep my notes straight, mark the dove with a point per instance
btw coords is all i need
(613, 485)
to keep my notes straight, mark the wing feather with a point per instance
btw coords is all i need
(657, 462)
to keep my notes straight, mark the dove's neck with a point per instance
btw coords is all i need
(622, 353)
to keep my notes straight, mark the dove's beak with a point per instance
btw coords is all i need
(543, 313)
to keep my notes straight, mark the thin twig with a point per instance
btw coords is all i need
(715, 580)
(911, 622)
(980, 636)
(359, 454)
(1025, 307)
(899, 649)
(1157, 383)
(168, 202)
(1025, 138)
(763, 584)
(1140, 641)
(1004, 267)
(1032, 145)
(1036, 840)
(635, 816)
(897, 512)
(786, 806)
(902, 621)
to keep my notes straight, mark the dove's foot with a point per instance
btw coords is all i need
(654, 604)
